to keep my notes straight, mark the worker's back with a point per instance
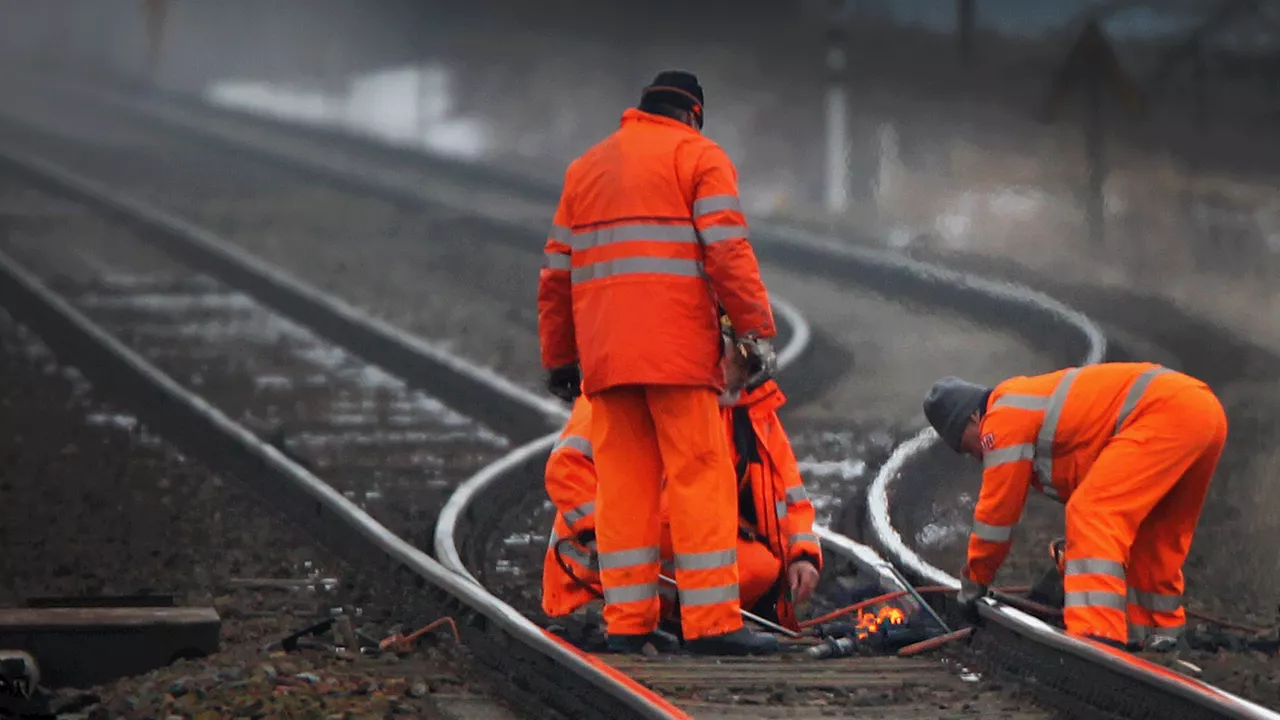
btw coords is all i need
(1088, 416)
(643, 312)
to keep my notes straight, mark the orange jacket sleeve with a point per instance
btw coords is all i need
(731, 264)
(1006, 479)
(555, 301)
(801, 539)
(570, 476)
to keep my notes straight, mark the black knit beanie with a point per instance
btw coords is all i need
(676, 88)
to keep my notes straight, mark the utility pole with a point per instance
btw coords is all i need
(837, 181)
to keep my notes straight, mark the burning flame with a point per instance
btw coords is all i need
(869, 623)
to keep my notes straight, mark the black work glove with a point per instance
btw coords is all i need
(565, 382)
(967, 599)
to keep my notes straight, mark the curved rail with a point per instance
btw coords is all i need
(1035, 316)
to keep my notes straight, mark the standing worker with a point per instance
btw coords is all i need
(647, 239)
(1129, 447)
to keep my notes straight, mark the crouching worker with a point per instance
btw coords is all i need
(778, 554)
(1130, 449)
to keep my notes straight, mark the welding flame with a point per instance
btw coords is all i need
(869, 623)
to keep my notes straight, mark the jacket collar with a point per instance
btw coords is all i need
(635, 115)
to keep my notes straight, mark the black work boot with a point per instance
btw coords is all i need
(739, 642)
(634, 644)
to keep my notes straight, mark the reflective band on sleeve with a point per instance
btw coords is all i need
(576, 442)
(1136, 390)
(780, 507)
(719, 233)
(715, 203)
(651, 232)
(556, 261)
(708, 596)
(1022, 402)
(583, 510)
(802, 537)
(628, 558)
(796, 494)
(575, 553)
(1155, 602)
(638, 266)
(1095, 566)
(706, 560)
(560, 233)
(1049, 428)
(1095, 598)
(630, 593)
(992, 533)
(1013, 453)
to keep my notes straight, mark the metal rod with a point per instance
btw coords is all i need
(920, 599)
(749, 616)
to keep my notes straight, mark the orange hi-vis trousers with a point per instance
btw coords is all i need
(641, 434)
(758, 570)
(1131, 520)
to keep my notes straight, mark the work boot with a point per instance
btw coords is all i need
(663, 642)
(739, 642)
(1160, 644)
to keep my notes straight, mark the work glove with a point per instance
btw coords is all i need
(762, 360)
(967, 600)
(565, 382)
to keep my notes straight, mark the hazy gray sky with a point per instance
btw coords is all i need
(1034, 16)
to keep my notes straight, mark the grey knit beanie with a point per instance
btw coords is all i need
(949, 404)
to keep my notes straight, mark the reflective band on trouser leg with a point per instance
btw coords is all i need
(628, 530)
(702, 501)
(1095, 597)
(1157, 614)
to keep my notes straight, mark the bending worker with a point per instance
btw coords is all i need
(647, 239)
(1129, 447)
(779, 557)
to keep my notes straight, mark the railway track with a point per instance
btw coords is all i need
(1019, 309)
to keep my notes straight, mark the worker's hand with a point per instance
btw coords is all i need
(803, 576)
(565, 382)
(967, 600)
(762, 360)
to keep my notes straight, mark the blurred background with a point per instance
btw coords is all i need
(1123, 143)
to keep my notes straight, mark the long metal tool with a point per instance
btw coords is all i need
(749, 616)
(920, 599)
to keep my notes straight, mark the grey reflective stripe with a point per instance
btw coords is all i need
(1022, 402)
(1138, 633)
(635, 266)
(628, 558)
(1095, 598)
(1013, 453)
(706, 560)
(1172, 631)
(802, 537)
(575, 553)
(560, 233)
(781, 508)
(1095, 566)
(708, 596)
(992, 533)
(1136, 390)
(1049, 428)
(630, 593)
(583, 510)
(796, 494)
(556, 261)
(634, 231)
(718, 233)
(551, 540)
(715, 203)
(1155, 602)
(577, 442)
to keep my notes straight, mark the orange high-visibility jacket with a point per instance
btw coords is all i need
(1045, 431)
(647, 238)
(784, 515)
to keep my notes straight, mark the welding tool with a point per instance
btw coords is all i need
(749, 616)
(833, 648)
